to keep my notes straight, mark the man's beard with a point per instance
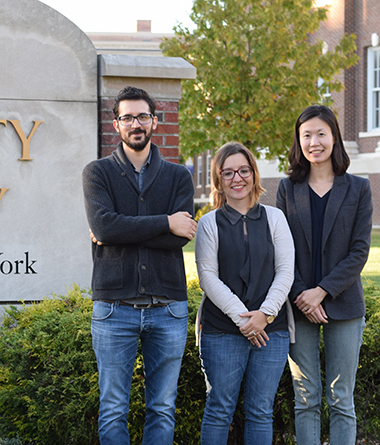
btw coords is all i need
(138, 145)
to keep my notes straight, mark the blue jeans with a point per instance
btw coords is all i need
(342, 339)
(116, 331)
(227, 359)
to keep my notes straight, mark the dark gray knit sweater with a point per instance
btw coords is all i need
(139, 257)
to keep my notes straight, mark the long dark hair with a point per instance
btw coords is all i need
(299, 166)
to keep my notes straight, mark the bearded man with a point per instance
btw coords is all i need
(140, 212)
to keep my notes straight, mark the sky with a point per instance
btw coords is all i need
(122, 15)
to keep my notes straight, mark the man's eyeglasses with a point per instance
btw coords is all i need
(228, 174)
(127, 120)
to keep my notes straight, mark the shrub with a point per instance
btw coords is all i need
(14, 441)
(202, 211)
(48, 375)
(367, 394)
(49, 391)
(191, 388)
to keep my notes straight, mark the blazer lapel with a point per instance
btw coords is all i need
(337, 195)
(302, 201)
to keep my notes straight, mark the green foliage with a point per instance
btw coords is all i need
(191, 388)
(202, 211)
(367, 398)
(257, 69)
(367, 391)
(48, 375)
(14, 441)
(49, 392)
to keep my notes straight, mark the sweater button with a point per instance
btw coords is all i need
(123, 174)
(143, 267)
(142, 290)
(142, 199)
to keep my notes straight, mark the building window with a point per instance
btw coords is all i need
(208, 171)
(199, 171)
(325, 90)
(373, 115)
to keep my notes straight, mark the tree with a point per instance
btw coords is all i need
(257, 69)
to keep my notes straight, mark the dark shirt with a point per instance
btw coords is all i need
(141, 174)
(318, 207)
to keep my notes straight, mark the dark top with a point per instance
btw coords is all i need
(318, 208)
(346, 239)
(139, 256)
(245, 266)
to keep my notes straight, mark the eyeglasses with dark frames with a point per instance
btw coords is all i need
(228, 174)
(127, 120)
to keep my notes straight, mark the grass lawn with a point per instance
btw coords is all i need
(371, 270)
(189, 257)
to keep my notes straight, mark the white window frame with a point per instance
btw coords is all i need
(373, 89)
(199, 171)
(327, 95)
(208, 170)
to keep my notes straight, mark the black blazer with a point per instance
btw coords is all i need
(346, 241)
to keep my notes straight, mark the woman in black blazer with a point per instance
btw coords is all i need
(330, 215)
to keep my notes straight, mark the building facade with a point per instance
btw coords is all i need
(357, 106)
(146, 68)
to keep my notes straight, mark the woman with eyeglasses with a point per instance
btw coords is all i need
(330, 215)
(245, 260)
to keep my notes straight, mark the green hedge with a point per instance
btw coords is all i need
(48, 375)
(48, 379)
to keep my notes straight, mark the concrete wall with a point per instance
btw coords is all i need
(48, 133)
(56, 99)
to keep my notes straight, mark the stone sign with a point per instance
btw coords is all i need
(48, 133)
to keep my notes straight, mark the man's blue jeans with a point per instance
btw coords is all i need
(227, 359)
(116, 330)
(342, 340)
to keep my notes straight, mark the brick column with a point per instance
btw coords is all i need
(350, 129)
(108, 137)
(161, 78)
(166, 135)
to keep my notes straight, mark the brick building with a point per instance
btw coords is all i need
(358, 106)
(146, 68)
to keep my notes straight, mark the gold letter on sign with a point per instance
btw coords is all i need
(25, 140)
(2, 192)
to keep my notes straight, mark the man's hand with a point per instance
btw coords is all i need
(182, 224)
(93, 239)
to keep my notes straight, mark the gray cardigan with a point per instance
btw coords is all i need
(139, 257)
(345, 241)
